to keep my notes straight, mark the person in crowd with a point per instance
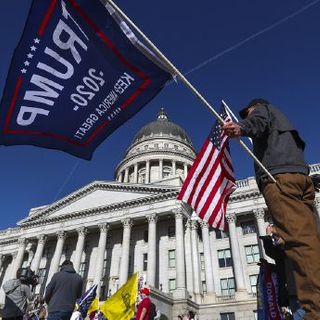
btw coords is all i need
(273, 247)
(62, 292)
(144, 309)
(18, 295)
(279, 147)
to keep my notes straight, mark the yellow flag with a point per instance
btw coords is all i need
(94, 306)
(121, 305)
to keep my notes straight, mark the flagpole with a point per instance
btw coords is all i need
(230, 111)
(233, 115)
(185, 81)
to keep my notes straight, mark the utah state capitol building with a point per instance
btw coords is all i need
(111, 229)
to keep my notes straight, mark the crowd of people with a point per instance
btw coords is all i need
(61, 294)
(60, 298)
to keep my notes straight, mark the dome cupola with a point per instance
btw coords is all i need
(162, 127)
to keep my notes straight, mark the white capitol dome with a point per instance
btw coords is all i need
(160, 150)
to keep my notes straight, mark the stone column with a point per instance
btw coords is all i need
(152, 249)
(173, 168)
(207, 258)
(160, 168)
(39, 252)
(2, 258)
(214, 260)
(147, 171)
(180, 291)
(135, 178)
(55, 262)
(185, 170)
(235, 249)
(30, 251)
(195, 259)
(12, 272)
(120, 177)
(82, 231)
(188, 255)
(19, 258)
(259, 215)
(104, 227)
(124, 265)
(126, 175)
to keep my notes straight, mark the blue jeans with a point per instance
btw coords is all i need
(297, 311)
(59, 315)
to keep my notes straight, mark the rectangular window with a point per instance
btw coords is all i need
(172, 284)
(172, 258)
(171, 231)
(252, 253)
(82, 268)
(202, 265)
(227, 316)
(145, 262)
(224, 258)
(227, 286)
(221, 234)
(253, 283)
(248, 227)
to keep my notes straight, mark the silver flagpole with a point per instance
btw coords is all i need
(185, 81)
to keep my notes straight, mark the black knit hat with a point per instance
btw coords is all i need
(243, 113)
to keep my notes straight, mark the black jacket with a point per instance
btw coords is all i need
(276, 143)
(63, 290)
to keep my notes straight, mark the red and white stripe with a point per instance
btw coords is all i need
(209, 183)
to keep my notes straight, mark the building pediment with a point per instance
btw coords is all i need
(96, 195)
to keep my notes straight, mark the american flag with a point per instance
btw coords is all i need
(210, 180)
(86, 299)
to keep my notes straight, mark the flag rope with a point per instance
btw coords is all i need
(176, 72)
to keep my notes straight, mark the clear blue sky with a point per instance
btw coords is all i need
(268, 49)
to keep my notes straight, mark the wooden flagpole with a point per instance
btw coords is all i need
(185, 81)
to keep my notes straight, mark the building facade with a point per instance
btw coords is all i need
(111, 229)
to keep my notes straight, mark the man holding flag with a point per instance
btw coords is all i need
(277, 144)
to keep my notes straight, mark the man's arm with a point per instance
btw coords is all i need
(143, 313)
(49, 290)
(254, 126)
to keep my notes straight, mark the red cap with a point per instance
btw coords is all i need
(145, 291)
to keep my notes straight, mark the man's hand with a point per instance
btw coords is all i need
(232, 129)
